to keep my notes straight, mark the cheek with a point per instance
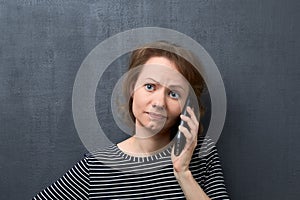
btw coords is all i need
(174, 109)
(135, 107)
(138, 103)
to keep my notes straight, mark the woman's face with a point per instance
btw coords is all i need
(159, 95)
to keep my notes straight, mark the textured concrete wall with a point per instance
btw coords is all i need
(254, 43)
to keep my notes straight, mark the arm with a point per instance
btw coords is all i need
(188, 184)
(190, 187)
(212, 186)
(73, 185)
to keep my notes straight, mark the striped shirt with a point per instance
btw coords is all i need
(113, 174)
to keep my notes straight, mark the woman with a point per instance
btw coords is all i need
(144, 166)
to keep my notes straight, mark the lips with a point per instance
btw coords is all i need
(156, 116)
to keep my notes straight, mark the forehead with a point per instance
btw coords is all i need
(161, 61)
(163, 71)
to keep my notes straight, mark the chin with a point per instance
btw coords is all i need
(154, 128)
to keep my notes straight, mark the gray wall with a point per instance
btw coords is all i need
(254, 43)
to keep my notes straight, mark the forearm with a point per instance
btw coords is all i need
(190, 187)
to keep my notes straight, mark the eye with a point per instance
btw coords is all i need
(149, 87)
(174, 95)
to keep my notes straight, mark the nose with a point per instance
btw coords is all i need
(159, 98)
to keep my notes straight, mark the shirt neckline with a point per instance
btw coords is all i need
(165, 152)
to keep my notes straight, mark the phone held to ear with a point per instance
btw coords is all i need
(179, 138)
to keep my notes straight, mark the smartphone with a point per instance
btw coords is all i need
(179, 138)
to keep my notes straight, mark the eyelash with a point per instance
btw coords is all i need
(153, 88)
(177, 95)
(148, 84)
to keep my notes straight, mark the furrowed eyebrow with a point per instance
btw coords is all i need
(151, 79)
(172, 87)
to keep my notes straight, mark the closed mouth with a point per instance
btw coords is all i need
(156, 116)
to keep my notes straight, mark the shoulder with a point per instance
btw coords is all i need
(205, 145)
(101, 156)
(205, 151)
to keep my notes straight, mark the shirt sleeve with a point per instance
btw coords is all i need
(73, 185)
(214, 185)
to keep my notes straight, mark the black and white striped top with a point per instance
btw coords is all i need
(112, 174)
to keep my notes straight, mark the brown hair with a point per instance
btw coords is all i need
(175, 54)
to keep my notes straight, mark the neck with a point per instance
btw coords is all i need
(149, 145)
(145, 143)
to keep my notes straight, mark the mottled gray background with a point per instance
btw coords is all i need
(255, 44)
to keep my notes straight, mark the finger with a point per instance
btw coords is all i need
(187, 120)
(193, 128)
(191, 142)
(188, 136)
(192, 115)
